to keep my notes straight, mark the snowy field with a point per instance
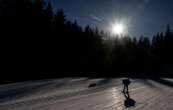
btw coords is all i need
(74, 94)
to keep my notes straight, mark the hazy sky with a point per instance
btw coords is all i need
(141, 17)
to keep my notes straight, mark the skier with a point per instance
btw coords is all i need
(126, 83)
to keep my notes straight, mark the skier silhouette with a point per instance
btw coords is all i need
(126, 83)
(129, 101)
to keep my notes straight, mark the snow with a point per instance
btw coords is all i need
(74, 94)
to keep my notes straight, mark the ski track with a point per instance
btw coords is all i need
(74, 94)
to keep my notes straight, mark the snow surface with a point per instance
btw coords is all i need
(74, 94)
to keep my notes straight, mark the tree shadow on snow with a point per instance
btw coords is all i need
(163, 81)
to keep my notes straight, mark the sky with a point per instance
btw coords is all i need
(140, 17)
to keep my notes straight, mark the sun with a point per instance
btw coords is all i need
(118, 29)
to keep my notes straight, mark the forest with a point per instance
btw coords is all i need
(39, 42)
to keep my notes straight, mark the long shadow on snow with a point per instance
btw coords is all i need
(20, 92)
(163, 81)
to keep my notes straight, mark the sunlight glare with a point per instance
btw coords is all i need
(118, 29)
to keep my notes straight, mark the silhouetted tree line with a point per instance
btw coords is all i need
(34, 39)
